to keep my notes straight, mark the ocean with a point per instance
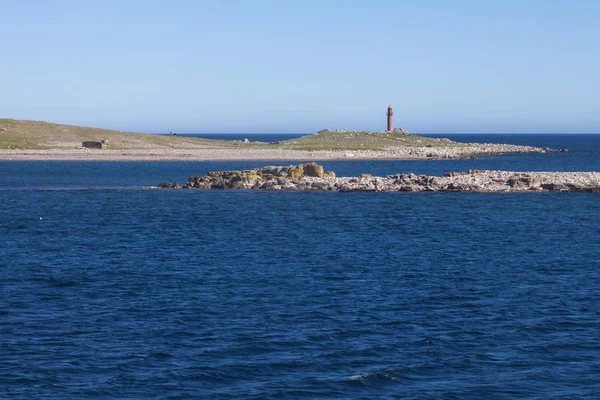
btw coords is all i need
(111, 288)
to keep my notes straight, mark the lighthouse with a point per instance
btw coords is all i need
(390, 119)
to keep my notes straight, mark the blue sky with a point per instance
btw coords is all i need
(300, 66)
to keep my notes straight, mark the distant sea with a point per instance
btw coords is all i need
(111, 288)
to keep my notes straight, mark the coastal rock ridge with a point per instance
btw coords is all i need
(313, 177)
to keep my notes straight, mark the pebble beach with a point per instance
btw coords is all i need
(217, 154)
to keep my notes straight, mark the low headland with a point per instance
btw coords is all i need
(36, 140)
(313, 177)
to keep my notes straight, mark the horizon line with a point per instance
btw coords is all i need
(412, 133)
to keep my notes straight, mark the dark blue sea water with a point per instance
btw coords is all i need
(113, 289)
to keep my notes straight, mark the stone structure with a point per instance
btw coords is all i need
(390, 119)
(92, 144)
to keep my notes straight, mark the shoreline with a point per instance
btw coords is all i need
(173, 155)
(185, 155)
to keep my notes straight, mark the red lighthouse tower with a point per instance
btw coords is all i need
(390, 121)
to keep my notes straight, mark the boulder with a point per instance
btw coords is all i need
(521, 180)
(321, 186)
(296, 172)
(220, 185)
(314, 170)
(237, 185)
(250, 177)
(271, 185)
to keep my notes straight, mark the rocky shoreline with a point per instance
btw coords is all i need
(312, 177)
(451, 151)
(468, 150)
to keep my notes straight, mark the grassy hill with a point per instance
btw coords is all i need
(17, 134)
(343, 140)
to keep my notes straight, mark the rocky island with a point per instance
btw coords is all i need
(36, 140)
(313, 177)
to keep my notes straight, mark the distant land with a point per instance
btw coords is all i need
(45, 140)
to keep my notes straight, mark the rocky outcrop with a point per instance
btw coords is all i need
(466, 150)
(313, 177)
(271, 178)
